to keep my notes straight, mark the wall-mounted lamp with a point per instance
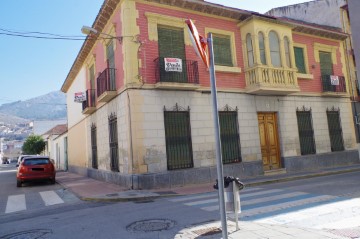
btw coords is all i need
(89, 30)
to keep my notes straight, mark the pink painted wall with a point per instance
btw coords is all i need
(149, 51)
(314, 85)
(100, 61)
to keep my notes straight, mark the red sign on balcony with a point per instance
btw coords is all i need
(334, 80)
(173, 64)
(79, 97)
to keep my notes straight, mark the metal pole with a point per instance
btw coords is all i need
(236, 208)
(217, 138)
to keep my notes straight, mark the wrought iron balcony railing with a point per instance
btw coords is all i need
(188, 73)
(90, 99)
(333, 83)
(106, 81)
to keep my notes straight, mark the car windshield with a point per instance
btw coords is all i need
(36, 161)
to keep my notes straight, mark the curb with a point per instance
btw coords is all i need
(249, 184)
(292, 178)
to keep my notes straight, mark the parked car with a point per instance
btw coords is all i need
(35, 168)
(21, 157)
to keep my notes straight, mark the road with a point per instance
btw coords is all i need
(331, 202)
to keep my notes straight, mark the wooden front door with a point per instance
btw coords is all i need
(269, 142)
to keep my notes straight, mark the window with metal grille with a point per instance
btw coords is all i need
(178, 138)
(335, 130)
(306, 131)
(300, 59)
(222, 50)
(94, 161)
(113, 143)
(229, 134)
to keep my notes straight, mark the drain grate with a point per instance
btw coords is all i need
(30, 234)
(207, 231)
(151, 225)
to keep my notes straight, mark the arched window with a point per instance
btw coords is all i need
(262, 48)
(274, 49)
(249, 48)
(287, 51)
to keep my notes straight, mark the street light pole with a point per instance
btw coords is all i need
(217, 138)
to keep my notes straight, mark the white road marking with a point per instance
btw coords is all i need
(289, 204)
(50, 198)
(181, 199)
(15, 203)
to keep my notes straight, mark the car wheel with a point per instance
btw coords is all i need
(18, 183)
(52, 181)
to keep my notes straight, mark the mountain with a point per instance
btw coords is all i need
(51, 106)
(8, 119)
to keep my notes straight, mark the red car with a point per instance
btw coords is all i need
(35, 168)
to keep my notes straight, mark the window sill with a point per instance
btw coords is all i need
(305, 76)
(229, 69)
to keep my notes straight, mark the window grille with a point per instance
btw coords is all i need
(94, 161)
(178, 138)
(306, 131)
(113, 143)
(229, 134)
(335, 130)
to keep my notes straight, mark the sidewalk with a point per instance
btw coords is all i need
(93, 190)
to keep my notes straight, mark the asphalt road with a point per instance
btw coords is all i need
(322, 202)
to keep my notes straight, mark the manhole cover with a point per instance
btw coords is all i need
(151, 225)
(30, 234)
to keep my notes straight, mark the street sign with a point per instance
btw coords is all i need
(200, 45)
(198, 41)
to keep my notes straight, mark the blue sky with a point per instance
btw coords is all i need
(33, 67)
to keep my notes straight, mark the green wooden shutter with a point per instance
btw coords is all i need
(92, 77)
(299, 59)
(326, 65)
(222, 50)
(171, 42)
(110, 54)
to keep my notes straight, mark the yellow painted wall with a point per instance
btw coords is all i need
(77, 152)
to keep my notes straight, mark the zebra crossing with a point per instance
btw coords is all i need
(34, 200)
(286, 207)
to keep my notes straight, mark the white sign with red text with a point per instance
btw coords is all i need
(334, 80)
(173, 64)
(79, 97)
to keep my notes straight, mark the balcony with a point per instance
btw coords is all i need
(89, 106)
(333, 85)
(106, 85)
(265, 80)
(186, 77)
